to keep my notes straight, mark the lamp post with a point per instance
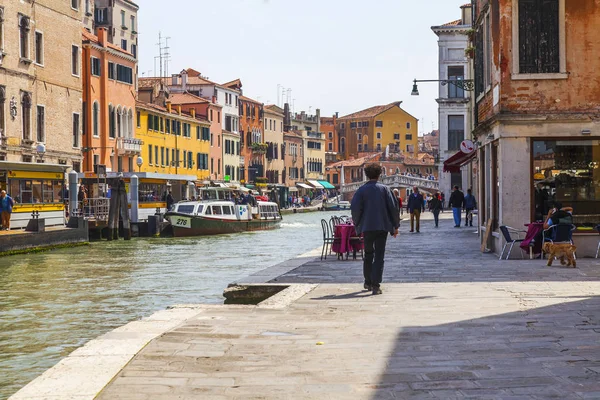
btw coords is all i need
(41, 151)
(464, 84)
(139, 161)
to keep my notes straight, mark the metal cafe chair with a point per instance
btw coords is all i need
(506, 232)
(328, 239)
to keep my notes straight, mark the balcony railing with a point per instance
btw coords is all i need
(129, 146)
(318, 135)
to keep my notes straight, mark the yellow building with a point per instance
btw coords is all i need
(375, 128)
(174, 142)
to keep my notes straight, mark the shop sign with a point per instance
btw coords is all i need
(467, 147)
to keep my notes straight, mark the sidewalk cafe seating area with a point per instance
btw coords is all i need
(340, 237)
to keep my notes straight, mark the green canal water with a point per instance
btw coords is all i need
(52, 303)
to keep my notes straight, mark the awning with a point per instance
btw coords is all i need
(454, 163)
(293, 189)
(316, 184)
(304, 185)
(326, 185)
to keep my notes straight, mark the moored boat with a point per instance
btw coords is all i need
(218, 214)
(341, 205)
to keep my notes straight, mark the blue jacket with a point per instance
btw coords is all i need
(374, 208)
(415, 202)
(7, 203)
(470, 201)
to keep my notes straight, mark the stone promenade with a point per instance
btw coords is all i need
(452, 323)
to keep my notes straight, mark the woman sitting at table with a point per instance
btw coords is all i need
(558, 215)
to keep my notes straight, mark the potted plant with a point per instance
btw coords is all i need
(471, 35)
(470, 52)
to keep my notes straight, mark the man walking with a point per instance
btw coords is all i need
(457, 202)
(375, 214)
(6, 204)
(415, 205)
(470, 205)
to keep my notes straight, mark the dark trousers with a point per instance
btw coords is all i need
(374, 253)
(436, 216)
(469, 217)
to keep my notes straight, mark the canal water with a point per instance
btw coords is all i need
(52, 303)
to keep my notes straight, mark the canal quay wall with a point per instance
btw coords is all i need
(452, 322)
(19, 242)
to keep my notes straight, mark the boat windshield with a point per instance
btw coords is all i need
(216, 194)
(187, 208)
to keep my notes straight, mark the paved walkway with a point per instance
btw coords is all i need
(452, 323)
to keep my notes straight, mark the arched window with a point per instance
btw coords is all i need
(96, 119)
(119, 122)
(342, 145)
(24, 28)
(130, 123)
(26, 115)
(111, 122)
(397, 170)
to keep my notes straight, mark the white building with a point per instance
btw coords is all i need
(455, 120)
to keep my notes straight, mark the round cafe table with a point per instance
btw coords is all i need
(344, 245)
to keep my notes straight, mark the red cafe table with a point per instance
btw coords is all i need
(344, 246)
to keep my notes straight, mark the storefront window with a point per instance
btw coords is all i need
(26, 191)
(152, 192)
(567, 171)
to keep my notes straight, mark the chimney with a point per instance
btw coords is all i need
(103, 37)
(169, 107)
(337, 114)
(286, 117)
(184, 76)
(175, 79)
(193, 112)
(214, 99)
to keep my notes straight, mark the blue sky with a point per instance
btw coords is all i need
(336, 55)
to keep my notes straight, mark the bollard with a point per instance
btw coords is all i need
(73, 181)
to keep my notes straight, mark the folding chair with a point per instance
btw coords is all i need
(328, 238)
(506, 231)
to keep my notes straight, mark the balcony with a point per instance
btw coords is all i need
(317, 135)
(129, 146)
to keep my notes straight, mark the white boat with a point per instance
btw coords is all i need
(339, 205)
(217, 214)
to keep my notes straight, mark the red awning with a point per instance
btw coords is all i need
(454, 163)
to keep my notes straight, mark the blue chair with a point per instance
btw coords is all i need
(559, 233)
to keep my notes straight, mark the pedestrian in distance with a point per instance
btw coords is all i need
(7, 204)
(435, 206)
(457, 202)
(470, 205)
(397, 196)
(375, 214)
(415, 206)
(170, 200)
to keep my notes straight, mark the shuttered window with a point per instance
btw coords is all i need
(539, 50)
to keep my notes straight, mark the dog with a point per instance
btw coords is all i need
(562, 251)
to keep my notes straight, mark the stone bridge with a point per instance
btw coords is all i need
(397, 181)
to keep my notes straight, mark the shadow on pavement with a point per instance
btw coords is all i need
(540, 353)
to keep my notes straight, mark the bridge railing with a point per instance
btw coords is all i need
(396, 180)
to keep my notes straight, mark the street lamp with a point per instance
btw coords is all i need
(139, 161)
(464, 84)
(41, 151)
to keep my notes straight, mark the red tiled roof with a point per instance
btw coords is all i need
(149, 82)
(453, 23)
(234, 84)
(93, 38)
(357, 162)
(371, 112)
(186, 98)
(162, 109)
(249, 100)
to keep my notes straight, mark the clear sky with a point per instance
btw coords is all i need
(336, 55)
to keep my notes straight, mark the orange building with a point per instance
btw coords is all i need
(251, 137)
(211, 112)
(109, 95)
(332, 143)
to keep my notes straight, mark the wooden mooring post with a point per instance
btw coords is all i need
(119, 210)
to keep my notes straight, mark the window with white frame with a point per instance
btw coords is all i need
(75, 60)
(96, 119)
(41, 124)
(75, 4)
(123, 19)
(39, 48)
(76, 129)
(379, 135)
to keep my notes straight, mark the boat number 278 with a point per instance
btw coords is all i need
(183, 222)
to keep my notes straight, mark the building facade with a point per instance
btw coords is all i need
(313, 149)
(536, 112)
(175, 143)
(119, 17)
(253, 146)
(454, 103)
(211, 112)
(275, 157)
(375, 128)
(40, 82)
(294, 151)
(109, 99)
